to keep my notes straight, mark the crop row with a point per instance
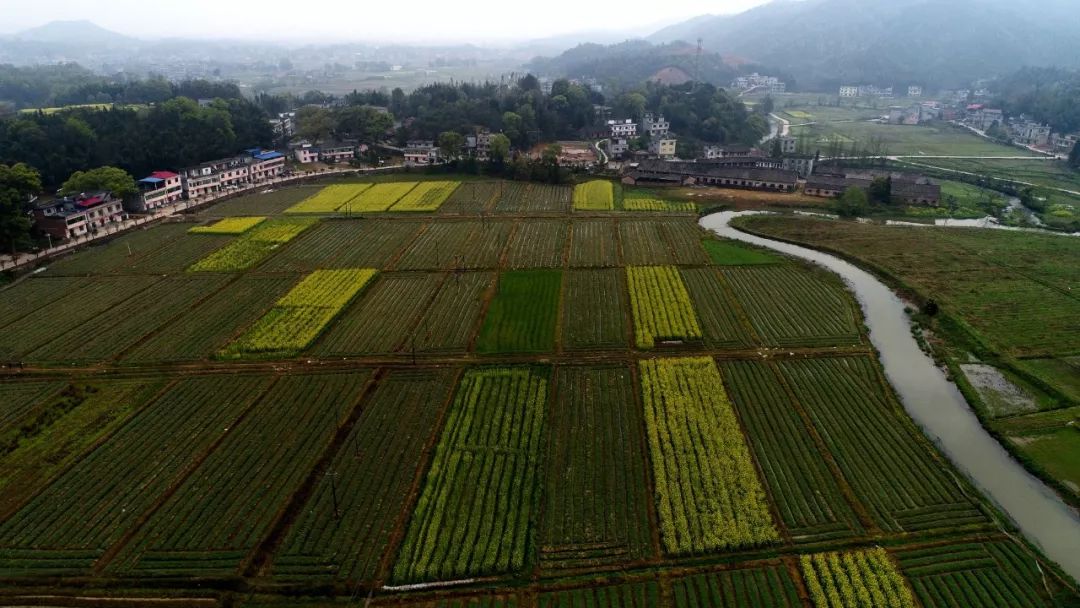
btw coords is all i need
(807, 495)
(596, 195)
(329, 199)
(385, 319)
(72, 522)
(216, 517)
(855, 579)
(302, 314)
(596, 501)
(426, 197)
(595, 312)
(661, 306)
(765, 587)
(517, 197)
(638, 200)
(974, 575)
(791, 306)
(346, 525)
(474, 513)
(878, 451)
(251, 247)
(344, 244)
(708, 493)
(229, 225)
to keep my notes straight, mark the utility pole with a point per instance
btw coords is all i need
(333, 493)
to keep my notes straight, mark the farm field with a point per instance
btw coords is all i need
(594, 196)
(476, 395)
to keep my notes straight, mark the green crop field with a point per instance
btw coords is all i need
(523, 315)
(440, 391)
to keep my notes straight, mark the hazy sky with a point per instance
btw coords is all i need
(405, 21)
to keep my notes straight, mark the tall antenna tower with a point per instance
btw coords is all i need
(697, 63)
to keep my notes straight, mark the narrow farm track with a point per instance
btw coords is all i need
(514, 394)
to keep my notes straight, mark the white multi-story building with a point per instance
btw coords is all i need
(914, 91)
(849, 91)
(254, 166)
(663, 147)
(76, 216)
(421, 152)
(304, 152)
(622, 128)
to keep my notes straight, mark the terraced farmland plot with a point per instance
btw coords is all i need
(522, 317)
(220, 512)
(374, 470)
(789, 306)
(250, 248)
(806, 493)
(719, 315)
(426, 197)
(684, 238)
(643, 243)
(117, 253)
(892, 471)
(329, 200)
(723, 252)
(538, 244)
(473, 515)
(450, 322)
(661, 306)
(486, 245)
(594, 243)
(438, 247)
(205, 329)
(984, 575)
(769, 587)
(269, 203)
(301, 315)
(707, 491)
(73, 521)
(471, 198)
(27, 464)
(108, 335)
(380, 197)
(594, 311)
(596, 497)
(339, 243)
(855, 579)
(638, 200)
(69, 313)
(383, 320)
(630, 595)
(597, 195)
(23, 298)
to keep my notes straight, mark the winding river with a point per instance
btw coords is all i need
(939, 407)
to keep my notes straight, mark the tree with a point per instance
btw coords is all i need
(111, 179)
(630, 105)
(364, 123)
(513, 127)
(314, 123)
(777, 149)
(451, 144)
(1074, 156)
(880, 190)
(852, 203)
(17, 183)
(499, 148)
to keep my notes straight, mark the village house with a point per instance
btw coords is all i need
(789, 145)
(622, 128)
(479, 144)
(655, 127)
(421, 152)
(304, 152)
(337, 152)
(1030, 133)
(663, 147)
(157, 190)
(802, 164)
(914, 91)
(712, 152)
(906, 188)
(254, 166)
(76, 216)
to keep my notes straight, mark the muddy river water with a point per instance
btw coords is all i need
(939, 408)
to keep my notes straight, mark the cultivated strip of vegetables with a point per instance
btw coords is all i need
(855, 579)
(763, 587)
(661, 306)
(426, 197)
(329, 199)
(251, 247)
(229, 225)
(597, 195)
(708, 494)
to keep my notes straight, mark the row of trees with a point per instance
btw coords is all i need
(174, 133)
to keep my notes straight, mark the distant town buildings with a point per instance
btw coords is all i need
(865, 90)
(757, 82)
(914, 91)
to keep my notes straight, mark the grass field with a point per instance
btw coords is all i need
(511, 402)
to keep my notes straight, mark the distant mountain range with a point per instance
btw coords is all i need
(945, 43)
